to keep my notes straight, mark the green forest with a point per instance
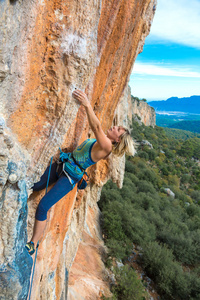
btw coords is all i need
(193, 126)
(180, 134)
(166, 227)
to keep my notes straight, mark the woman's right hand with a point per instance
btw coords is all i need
(81, 97)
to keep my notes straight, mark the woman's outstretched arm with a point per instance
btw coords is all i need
(92, 118)
(94, 122)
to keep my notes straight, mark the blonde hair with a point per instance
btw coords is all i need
(125, 144)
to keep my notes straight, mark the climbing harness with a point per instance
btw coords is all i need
(73, 168)
(30, 289)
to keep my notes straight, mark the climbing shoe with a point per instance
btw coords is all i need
(30, 247)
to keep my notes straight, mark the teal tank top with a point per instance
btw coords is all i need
(82, 153)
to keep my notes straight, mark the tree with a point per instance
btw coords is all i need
(127, 286)
(190, 147)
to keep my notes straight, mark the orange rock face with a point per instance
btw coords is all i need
(48, 48)
(88, 273)
(122, 28)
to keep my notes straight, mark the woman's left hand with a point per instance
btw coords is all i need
(81, 97)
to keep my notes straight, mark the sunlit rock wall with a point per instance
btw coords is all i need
(129, 108)
(47, 48)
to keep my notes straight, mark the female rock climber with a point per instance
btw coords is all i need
(117, 141)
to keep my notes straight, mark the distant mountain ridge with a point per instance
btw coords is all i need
(186, 104)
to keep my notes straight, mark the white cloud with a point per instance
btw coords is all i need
(177, 21)
(163, 70)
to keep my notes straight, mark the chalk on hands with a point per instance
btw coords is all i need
(78, 93)
(81, 97)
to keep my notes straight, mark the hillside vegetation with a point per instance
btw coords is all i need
(165, 226)
(180, 134)
(193, 126)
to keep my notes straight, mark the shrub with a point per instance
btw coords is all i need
(158, 161)
(180, 194)
(196, 196)
(193, 210)
(173, 179)
(170, 154)
(144, 186)
(157, 260)
(119, 248)
(112, 225)
(127, 286)
(136, 228)
(148, 175)
(152, 154)
(109, 196)
(197, 271)
(127, 192)
(143, 154)
(147, 201)
(128, 183)
(156, 219)
(141, 164)
(179, 244)
(172, 282)
(185, 178)
(130, 167)
(132, 177)
(165, 170)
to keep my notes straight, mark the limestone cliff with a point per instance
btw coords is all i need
(129, 108)
(47, 48)
(145, 112)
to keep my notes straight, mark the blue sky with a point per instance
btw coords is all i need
(170, 62)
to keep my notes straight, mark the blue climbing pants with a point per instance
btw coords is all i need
(60, 189)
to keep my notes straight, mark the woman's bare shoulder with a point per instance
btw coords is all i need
(99, 153)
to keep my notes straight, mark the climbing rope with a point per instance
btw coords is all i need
(33, 271)
(49, 174)
(38, 241)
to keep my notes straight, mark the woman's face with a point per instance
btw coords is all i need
(115, 132)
